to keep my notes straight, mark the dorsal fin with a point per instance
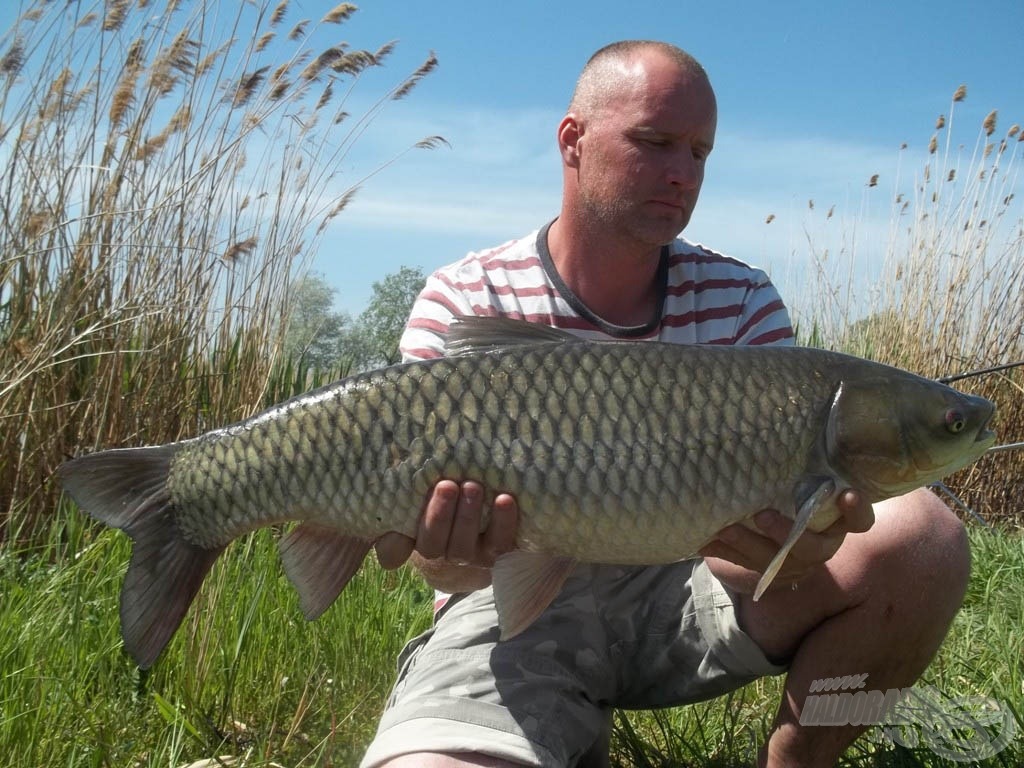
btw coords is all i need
(468, 333)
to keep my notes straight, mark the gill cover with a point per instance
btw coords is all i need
(862, 439)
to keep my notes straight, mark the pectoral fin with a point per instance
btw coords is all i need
(319, 562)
(813, 504)
(525, 583)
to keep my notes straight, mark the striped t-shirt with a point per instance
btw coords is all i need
(706, 298)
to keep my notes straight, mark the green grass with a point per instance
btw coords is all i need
(247, 676)
(983, 656)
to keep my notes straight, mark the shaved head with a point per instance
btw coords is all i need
(604, 71)
(634, 143)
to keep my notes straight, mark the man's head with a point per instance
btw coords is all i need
(639, 127)
(598, 78)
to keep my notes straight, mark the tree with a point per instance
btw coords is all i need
(379, 328)
(316, 335)
(319, 337)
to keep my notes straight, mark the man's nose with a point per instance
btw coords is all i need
(685, 170)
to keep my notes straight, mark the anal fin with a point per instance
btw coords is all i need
(319, 561)
(525, 583)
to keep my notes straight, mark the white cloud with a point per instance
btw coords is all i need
(502, 178)
(494, 216)
(499, 177)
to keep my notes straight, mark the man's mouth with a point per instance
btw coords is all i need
(669, 204)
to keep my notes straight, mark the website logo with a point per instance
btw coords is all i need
(963, 729)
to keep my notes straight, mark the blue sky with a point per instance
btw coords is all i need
(814, 98)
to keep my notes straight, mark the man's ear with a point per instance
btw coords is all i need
(570, 131)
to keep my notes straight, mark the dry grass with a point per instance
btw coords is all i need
(950, 295)
(164, 177)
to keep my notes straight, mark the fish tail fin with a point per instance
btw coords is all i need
(127, 489)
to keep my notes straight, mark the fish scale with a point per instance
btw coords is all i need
(381, 427)
(620, 453)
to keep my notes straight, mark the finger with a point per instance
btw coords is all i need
(755, 549)
(811, 548)
(436, 523)
(774, 525)
(858, 514)
(790, 572)
(465, 531)
(393, 549)
(817, 548)
(723, 551)
(500, 536)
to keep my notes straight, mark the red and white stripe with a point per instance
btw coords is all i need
(710, 299)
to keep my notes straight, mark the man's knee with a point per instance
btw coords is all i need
(920, 538)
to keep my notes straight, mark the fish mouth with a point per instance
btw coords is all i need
(986, 435)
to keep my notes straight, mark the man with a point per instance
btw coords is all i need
(634, 144)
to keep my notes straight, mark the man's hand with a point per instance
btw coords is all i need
(450, 549)
(738, 555)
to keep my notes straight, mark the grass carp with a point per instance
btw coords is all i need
(617, 452)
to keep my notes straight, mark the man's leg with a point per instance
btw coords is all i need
(597, 757)
(437, 760)
(623, 636)
(881, 606)
(463, 698)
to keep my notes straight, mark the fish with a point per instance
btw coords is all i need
(617, 452)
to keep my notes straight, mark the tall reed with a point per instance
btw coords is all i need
(949, 296)
(166, 173)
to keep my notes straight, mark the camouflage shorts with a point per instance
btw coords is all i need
(616, 637)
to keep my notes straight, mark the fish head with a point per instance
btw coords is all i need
(894, 433)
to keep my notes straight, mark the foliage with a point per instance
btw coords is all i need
(379, 327)
(320, 338)
(247, 677)
(316, 333)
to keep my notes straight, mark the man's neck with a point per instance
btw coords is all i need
(617, 282)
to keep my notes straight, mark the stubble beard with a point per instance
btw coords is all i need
(624, 219)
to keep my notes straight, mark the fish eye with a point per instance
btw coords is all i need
(955, 422)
